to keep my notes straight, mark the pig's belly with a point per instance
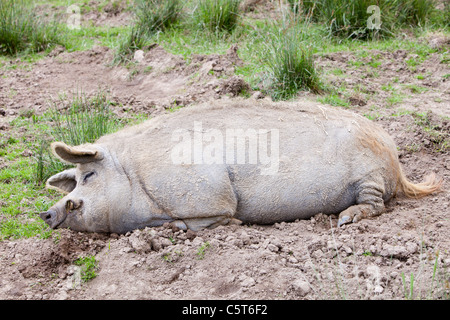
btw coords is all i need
(295, 195)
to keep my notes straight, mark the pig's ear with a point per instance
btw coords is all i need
(80, 154)
(64, 181)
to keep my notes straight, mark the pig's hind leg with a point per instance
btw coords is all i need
(369, 203)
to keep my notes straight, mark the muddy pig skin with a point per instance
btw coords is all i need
(251, 161)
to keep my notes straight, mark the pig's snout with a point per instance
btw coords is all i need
(57, 214)
(50, 217)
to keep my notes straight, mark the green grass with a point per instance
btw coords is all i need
(82, 119)
(89, 267)
(20, 198)
(151, 17)
(350, 19)
(202, 250)
(217, 16)
(21, 30)
(88, 36)
(436, 134)
(77, 121)
(29, 162)
(334, 100)
(290, 63)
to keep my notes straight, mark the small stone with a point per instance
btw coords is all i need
(347, 249)
(378, 289)
(301, 287)
(139, 56)
(272, 247)
(446, 263)
(198, 241)
(165, 242)
(411, 247)
(248, 282)
(156, 244)
(292, 260)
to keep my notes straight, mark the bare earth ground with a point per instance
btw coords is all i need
(308, 259)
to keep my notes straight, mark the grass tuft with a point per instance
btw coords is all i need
(89, 266)
(22, 30)
(350, 18)
(83, 121)
(290, 63)
(217, 16)
(151, 17)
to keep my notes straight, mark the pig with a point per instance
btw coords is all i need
(232, 161)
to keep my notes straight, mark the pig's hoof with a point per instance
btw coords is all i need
(234, 221)
(344, 220)
(178, 224)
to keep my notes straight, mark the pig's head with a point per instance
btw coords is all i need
(90, 196)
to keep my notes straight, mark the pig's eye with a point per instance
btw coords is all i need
(87, 176)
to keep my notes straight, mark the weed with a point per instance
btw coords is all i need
(290, 63)
(349, 18)
(89, 266)
(334, 100)
(415, 12)
(45, 164)
(371, 116)
(394, 99)
(217, 16)
(151, 17)
(157, 15)
(408, 292)
(21, 30)
(134, 39)
(415, 88)
(202, 250)
(171, 257)
(84, 120)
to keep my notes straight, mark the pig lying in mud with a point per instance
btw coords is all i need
(228, 162)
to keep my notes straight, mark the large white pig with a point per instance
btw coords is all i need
(224, 162)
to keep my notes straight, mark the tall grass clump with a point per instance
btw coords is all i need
(157, 15)
(151, 16)
(217, 16)
(22, 30)
(415, 12)
(290, 63)
(84, 120)
(350, 18)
